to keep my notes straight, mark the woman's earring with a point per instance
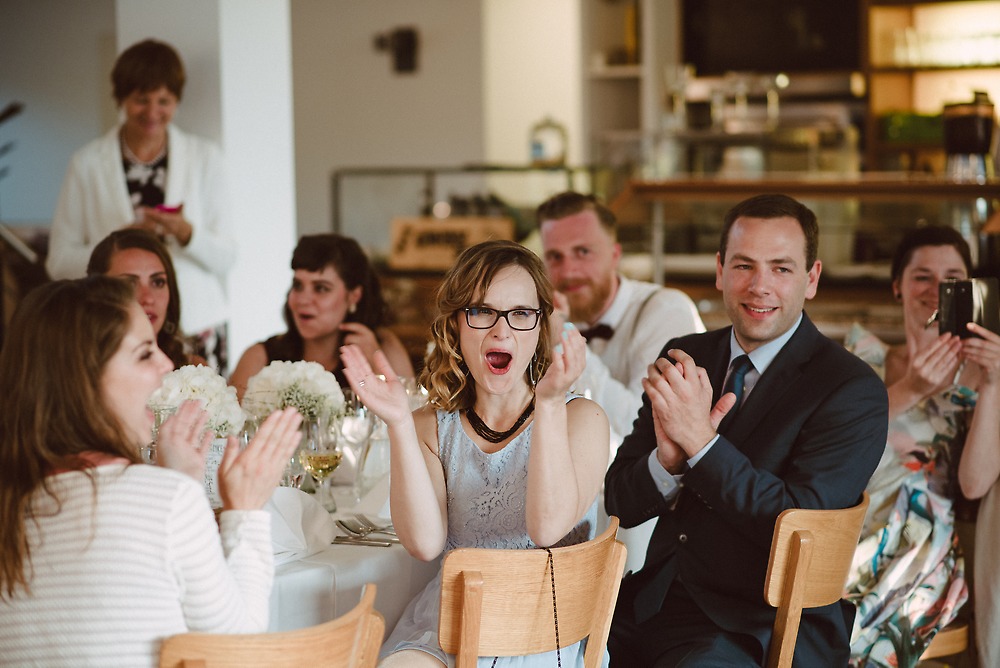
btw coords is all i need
(531, 371)
(352, 309)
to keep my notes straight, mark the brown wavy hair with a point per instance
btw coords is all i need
(56, 349)
(169, 337)
(445, 375)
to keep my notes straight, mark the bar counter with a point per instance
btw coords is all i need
(883, 186)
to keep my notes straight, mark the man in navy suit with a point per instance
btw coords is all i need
(807, 427)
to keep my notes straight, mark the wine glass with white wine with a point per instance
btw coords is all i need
(319, 456)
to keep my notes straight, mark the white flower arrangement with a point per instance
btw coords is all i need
(202, 383)
(307, 386)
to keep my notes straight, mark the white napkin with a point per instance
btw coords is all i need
(300, 526)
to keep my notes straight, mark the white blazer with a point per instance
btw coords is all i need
(94, 202)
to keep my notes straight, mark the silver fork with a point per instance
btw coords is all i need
(356, 528)
(386, 528)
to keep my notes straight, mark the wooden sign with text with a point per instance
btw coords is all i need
(434, 243)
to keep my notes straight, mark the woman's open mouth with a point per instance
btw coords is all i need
(498, 361)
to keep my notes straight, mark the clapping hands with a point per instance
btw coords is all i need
(182, 441)
(378, 388)
(933, 368)
(684, 419)
(569, 357)
(247, 477)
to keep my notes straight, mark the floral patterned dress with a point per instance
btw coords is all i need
(908, 576)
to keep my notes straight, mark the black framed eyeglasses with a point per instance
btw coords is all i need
(521, 319)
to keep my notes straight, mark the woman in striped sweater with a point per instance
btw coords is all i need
(101, 557)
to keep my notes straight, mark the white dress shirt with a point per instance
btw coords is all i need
(644, 316)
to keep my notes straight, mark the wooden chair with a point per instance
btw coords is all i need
(811, 555)
(952, 639)
(350, 641)
(499, 602)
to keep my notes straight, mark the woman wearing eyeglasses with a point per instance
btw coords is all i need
(335, 300)
(502, 456)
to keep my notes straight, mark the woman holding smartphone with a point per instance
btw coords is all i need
(147, 173)
(943, 449)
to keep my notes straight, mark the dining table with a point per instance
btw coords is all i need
(327, 583)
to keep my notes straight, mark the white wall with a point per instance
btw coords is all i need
(352, 109)
(55, 58)
(258, 138)
(531, 70)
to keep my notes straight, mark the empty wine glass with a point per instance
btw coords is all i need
(294, 474)
(353, 430)
(319, 456)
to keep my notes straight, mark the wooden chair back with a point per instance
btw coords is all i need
(952, 639)
(499, 602)
(350, 641)
(811, 555)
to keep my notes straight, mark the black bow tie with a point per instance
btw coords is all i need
(600, 331)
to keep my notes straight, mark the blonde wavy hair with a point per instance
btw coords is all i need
(445, 375)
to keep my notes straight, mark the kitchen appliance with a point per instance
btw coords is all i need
(968, 139)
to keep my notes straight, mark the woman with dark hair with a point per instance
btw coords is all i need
(943, 447)
(335, 300)
(139, 256)
(502, 456)
(101, 556)
(146, 173)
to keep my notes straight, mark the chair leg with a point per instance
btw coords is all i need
(786, 622)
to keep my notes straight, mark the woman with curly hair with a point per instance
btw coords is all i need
(503, 456)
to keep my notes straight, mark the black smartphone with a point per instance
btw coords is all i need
(973, 300)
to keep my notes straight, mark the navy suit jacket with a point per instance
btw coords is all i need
(809, 435)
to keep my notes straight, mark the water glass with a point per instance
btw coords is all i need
(353, 430)
(160, 415)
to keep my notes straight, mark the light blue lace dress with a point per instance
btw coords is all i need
(486, 496)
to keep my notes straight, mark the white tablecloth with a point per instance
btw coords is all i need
(327, 584)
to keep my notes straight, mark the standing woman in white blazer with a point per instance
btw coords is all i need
(147, 173)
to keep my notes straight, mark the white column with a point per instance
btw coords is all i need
(239, 93)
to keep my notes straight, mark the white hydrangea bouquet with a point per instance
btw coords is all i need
(307, 386)
(202, 383)
(225, 416)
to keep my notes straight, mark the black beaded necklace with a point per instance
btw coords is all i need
(491, 435)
